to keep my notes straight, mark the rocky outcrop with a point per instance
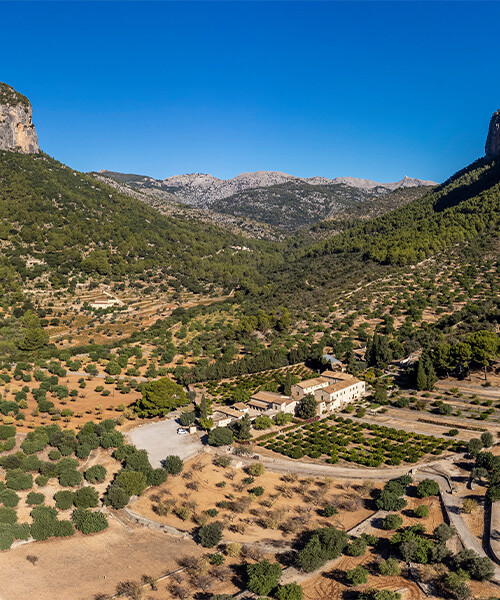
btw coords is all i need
(17, 132)
(492, 147)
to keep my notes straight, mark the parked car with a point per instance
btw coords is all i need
(181, 431)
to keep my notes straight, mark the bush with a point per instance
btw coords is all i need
(54, 454)
(392, 521)
(172, 465)
(357, 547)
(133, 482)
(357, 576)
(96, 474)
(8, 498)
(15, 479)
(389, 501)
(187, 418)
(64, 499)
(262, 422)
(216, 559)
(256, 469)
(427, 487)
(263, 577)
(7, 515)
(210, 535)
(117, 497)
(478, 567)
(222, 461)
(220, 436)
(290, 591)
(87, 521)
(307, 408)
(443, 533)
(329, 511)
(70, 478)
(233, 549)
(33, 498)
(86, 497)
(422, 511)
(323, 545)
(257, 491)
(389, 567)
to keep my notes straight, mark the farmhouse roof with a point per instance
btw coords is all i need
(271, 397)
(308, 383)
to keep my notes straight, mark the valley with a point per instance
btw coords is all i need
(156, 440)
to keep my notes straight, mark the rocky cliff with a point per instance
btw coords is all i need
(17, 132)
(492, 147)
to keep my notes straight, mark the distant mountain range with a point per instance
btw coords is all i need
(201, 190)
(255, 202)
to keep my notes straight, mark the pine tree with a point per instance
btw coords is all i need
(245, 426)
(288, 384)
(203, 408)
(350, 359)
(421, 378)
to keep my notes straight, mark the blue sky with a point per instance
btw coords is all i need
(376, 90)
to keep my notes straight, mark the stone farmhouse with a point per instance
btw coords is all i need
(333, 390)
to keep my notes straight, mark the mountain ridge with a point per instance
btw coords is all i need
(202, 189)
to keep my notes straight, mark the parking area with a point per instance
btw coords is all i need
(161, 439)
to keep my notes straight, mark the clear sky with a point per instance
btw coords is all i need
(376, 90)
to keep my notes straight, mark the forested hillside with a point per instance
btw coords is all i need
(74, 225)
(463, 208)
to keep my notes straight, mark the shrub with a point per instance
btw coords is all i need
(233, 549)
(478, 567)
(34, 498)
(216, 559)
(222, 461)
(117, 497)
(427, 487)
(70, 478)
(172, 465)
(86, 497)
(329, 511)
(133, 482)
(54, 454)
(357, 547)
(15, 479)
(357, 576)
(8, 498)
(96, 474)
(256, 469)
(87, 521)
(262, 422)
(389, 501)
(210, 535)
(64, 499)
(8, 515)
(220, 436)
(290, 591)
(257, 491)
(187, 418)
(389, 567)
(263, 577)
(392, 521)
(422, 511)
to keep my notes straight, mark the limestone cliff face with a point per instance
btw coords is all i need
(492, 147)
(17, 132)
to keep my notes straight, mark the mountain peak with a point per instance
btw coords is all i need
(17, 132)
(492, 147)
